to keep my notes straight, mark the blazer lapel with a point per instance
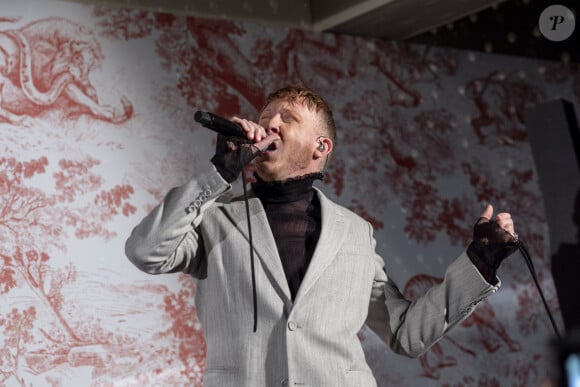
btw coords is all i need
(264, 245)
(332, 234)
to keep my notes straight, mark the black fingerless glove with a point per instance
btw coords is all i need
(490, 246)
(232, 155)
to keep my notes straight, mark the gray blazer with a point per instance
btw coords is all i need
(309, 342)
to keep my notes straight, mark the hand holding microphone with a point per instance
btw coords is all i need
(239, 128)
(234, 148)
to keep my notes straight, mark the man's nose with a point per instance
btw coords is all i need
(273, 126)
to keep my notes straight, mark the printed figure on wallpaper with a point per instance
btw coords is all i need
(500, 101)
(46, 66)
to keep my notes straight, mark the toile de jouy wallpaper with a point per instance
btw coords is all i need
(96, 108)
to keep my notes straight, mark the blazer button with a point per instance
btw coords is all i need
(292, 325)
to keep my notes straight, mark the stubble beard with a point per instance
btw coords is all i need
(292, 164)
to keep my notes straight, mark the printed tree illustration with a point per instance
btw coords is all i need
(32, 224)
(186, 330)
(15, 328)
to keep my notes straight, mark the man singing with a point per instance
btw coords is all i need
(317, 278)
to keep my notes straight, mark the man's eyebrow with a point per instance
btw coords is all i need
(263, 113)
(293, 113)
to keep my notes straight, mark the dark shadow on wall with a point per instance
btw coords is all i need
(554, 137)
(566, 273)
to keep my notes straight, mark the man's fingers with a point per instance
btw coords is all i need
(506, 222)
(253, 131)
(503, 219)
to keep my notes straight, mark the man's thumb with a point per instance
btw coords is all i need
(488, 212)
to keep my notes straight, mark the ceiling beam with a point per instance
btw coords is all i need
(327, 14)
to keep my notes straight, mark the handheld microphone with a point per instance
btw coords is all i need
(220, 125)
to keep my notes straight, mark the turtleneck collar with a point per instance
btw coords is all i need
(286, 191)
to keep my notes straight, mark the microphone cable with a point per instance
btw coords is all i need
(524, 251)
(251, 243)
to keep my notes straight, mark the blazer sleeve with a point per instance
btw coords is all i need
(168, 239)
(412, 327)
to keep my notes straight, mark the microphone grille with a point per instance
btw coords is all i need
(203, 118)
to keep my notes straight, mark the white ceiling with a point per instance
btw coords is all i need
(390, 19)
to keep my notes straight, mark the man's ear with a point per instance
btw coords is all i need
(323, 148)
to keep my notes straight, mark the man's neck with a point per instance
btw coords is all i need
(287, 190)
